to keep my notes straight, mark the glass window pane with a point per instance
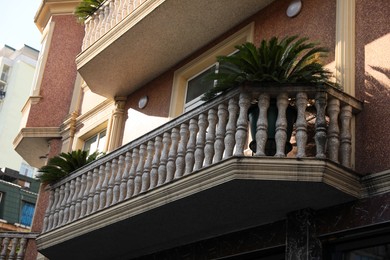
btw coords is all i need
(102, 141)
(200, 84)
(91, 144)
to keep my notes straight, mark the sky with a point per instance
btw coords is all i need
(17, 23)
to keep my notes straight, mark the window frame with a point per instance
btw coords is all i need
(202, 62)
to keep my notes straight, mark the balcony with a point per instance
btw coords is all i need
(13, 244)
(194, 177)
(120, 33)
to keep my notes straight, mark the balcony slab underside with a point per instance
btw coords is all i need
(154, 38)
(235, 194)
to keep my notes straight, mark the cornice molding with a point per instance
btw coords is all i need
(48, 8)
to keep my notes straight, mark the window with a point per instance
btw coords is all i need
(96, 142)
(26, 170)
(27, 213)
(186, 79)
(5, 73)
(198, 85)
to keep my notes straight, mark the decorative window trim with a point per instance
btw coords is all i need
(202, 62)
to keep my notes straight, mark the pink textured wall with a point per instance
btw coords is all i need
(59, 74)
(372, 85)
(42, 204)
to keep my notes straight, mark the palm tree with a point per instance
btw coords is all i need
(63, 164)
(291, 60)
(87, 8)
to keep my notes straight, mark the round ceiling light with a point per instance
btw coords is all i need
(294, 8)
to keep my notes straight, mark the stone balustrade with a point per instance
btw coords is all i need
(13, 244)
(203, 137)
(109, 14)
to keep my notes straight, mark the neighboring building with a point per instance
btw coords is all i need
(180, 183)
(18, 195)
(17, 69)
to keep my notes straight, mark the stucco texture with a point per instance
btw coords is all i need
(373, 85)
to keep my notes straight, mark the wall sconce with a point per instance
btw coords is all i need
(294, 8)
(143, 101)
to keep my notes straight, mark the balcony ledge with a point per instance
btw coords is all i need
(155, 37)
(32, 143)
(231, 195)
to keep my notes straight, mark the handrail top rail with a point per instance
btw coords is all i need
(19, 234)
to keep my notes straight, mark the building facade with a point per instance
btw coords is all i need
(17, 69)
(178, 180)
(17, 203)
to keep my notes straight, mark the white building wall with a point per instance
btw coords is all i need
(17, 89)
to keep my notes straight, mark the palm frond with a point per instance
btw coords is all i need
(63, 164)
(288, 61)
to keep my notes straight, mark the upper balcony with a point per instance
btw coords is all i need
(119, 34)
(195, 177)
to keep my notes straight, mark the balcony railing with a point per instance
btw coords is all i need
(13, 244)
(203, 137)
(110, 13)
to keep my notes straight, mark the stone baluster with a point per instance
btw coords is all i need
(181, 151)
(333, 143)
(320, 136)
(171, 163)
(88, 184)
(301, 124)
(97, 24)
(200, 142)
(102, 20)
(48, 219)
(118, 178)
(262, 124)
(155, 162)
(56, 208)
(111, 171)
(112, 13)
(130, 181)
(345, 135)
(130, 6)
(80, 185)
(139, 171)
(96, 197)
(71, 200)
(22, 249)
(210, 137)
(87, 33)
(124, 8)
(65, 206)
(107, 18)
(189, 158)
(4, 248)
(148, 165)
(125, 178)
(61, 204)
(162, 169)
(116, 13)
(12, 252)
(281, 125)
(242, 124)
(219, 145)
(231, 128)
(92, 191)
(103, 190)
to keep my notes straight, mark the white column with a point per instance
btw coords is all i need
(345, 45)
